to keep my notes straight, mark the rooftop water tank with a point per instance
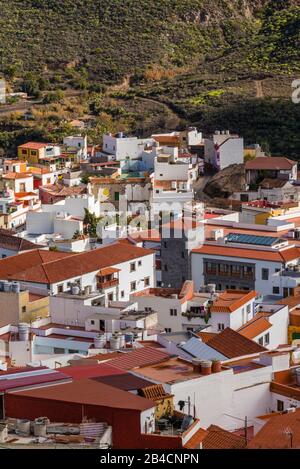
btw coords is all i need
(15, 287)
(75, 290)
(6, 286)
(115, 342)
(23, 329)
(99, 341)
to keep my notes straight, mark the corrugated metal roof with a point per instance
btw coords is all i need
(89, 392)
(199, 349)
(91, 371)
(31, 380)
(140, 357)
(125, 381)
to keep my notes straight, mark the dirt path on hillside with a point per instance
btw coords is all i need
(259, 89)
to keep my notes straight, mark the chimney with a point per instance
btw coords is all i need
(216, 366)
(206, 366)
(196, 365)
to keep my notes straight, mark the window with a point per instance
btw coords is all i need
(139, 263)
(280, 406)
(165, 244)
(248, 308)
(235, 270)
(168, 329)
(132, 267)
(267, 339)
(183, 254)
(277, 270)
(173, 312)
(117, 196)
(58, 350)
(132, 286)
(221, 326)
(23, 309)
(147, 281)
(261, 341)
(92, 322)
(110, 297)
(166, 268)
(122, 294)
(24, 152)
(276, 290)
(223, 269)
(265, 274)
(60, 288)
(4, 256)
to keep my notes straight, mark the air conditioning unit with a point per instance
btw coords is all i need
(290, 410)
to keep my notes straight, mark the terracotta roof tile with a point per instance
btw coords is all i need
(255, 327)
(279, 432)
(196, 439)
(231, 300)
(285, 255)
(206, 336)
(232, 344)
(218, 438)
(15, 243)
(273, 163)
(52, 267)
(34, 145)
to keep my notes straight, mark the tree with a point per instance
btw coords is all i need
(90, 223)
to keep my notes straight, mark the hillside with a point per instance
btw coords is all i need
(149, 65)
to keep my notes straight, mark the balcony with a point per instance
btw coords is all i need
(293, 272)
(105, 284)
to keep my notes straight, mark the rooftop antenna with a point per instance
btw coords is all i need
(288, 432)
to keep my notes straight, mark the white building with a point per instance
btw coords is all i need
(120, 147)
(63, 218)
(241, 389)
(78, 143)
(223, 149)
(268, 265)
(116, 270)
(269, 326)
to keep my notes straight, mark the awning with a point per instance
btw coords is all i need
(107, 271)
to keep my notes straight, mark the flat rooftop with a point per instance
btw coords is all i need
(170, 371)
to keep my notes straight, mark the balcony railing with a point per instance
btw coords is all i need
(108, 284)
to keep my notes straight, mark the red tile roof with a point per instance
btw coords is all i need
(255, 327)
(17, 175)
(232, 344)
(196, 439)
(218, 438)
(279, 432)
(274, 163)
(231, 300)
(282, 256)
(34, 145)
(206, 336)
(90, 392)
(141, 357)
(14, 243)
(52, 267)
